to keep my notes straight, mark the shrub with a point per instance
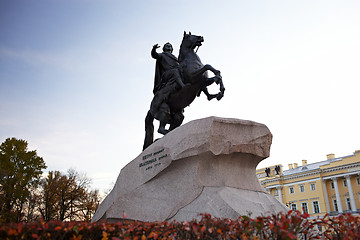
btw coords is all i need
(292, 225)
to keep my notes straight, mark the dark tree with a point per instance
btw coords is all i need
(48, 206)
(90, 205)
(31, 206)
(20, 171)
(67, 197)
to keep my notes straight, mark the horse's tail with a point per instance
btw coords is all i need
(149, 130)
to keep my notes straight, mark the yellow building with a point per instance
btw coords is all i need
(331, 186)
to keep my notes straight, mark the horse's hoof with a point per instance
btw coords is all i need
(218, 79)
(163, 131)
(219, 96)
(211, 97)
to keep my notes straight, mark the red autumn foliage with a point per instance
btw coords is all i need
(292, 225)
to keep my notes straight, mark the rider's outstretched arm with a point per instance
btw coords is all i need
(154, 54)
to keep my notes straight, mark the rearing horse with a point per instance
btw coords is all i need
(196, 79)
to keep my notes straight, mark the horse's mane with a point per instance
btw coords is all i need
(180, 58)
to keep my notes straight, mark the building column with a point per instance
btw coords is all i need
(326, 197)
(351, 194)
(279, 193)
(338, 199)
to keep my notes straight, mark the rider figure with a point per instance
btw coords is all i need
(167, 80)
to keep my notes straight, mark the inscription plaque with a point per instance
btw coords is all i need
(153, 160)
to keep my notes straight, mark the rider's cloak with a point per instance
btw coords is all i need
(165, 62)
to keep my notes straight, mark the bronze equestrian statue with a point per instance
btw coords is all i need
(177, 83)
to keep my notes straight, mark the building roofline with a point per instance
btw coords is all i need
(312, 172)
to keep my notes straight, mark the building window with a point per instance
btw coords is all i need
(335, 205)
(358, 181)
(293, 206)
(302, 188)
(304, 207)
(316, 207)
(345, 183)
(313, 187)
(332, 185)
(276, 192)
(348, 203)
(291, 190)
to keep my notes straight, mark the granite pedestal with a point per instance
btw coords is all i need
(204, 166)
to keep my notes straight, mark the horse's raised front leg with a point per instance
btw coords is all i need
(208, 95)
(208, 81)
(217, 78)
(205, 68)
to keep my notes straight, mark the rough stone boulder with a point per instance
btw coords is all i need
(204, 166)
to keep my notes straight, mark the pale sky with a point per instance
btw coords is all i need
(76, 77)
